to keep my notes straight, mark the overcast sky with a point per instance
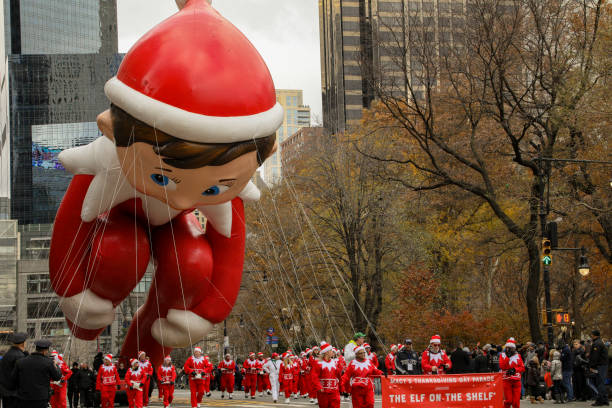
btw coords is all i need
(286, 33)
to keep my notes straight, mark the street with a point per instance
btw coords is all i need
(182, 401)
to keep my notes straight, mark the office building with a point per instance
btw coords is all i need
(296, 116)
(297, 148)
(61, 26)
(60, 55)
(365, 45)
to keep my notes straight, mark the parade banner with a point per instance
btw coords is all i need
(443, 391)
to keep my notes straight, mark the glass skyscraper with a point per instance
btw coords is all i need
(61, 53)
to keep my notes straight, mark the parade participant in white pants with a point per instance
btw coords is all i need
(272, 367)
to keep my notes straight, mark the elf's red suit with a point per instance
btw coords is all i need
(390, 363)
(512, 382)
(195, 368)
(285, 376)
(228, 371)
(326, 377)
(147, 367)
(357, 380)
(207, 374)
(107, 381)
(295, 365)
(373, 359)
(251, 369)
(135, 379)
(304, 385)
(342, 367)
(430, 359)
(58, 399)
(262, 376)
(166, 376)
(106, 231)
(312, 393)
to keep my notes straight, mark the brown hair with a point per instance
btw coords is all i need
(180, 153)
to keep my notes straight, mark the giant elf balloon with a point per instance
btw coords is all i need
(193, 113)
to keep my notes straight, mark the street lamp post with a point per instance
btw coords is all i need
(544, 210)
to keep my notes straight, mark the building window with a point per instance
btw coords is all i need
(38, 283)
(43, 309)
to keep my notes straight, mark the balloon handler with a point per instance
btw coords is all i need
(193, 114)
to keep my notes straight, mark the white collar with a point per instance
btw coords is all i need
(328, 365)
(361, 364)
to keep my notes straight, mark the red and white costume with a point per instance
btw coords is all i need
(196, 368)
(107, 381)
(326, 377)
(304, 382)
(147, 368)
(228, 371)
(440, 360)
(263, 382)
(251, 369)
(357, 380)
(390, 360)
(135, 379)
(286, 377)
(371, 356)
(60, 388)
(166, 376)
(512, 382)
(105, 231)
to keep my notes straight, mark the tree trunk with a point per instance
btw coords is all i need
(533, 289)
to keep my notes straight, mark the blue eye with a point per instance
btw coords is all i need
(213, 191)
(160, 179)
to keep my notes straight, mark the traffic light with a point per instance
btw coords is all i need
(546, 251)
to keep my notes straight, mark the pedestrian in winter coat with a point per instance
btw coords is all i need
(533, 379)
(7, 364)
(567, 369)
(407, 361)
(460, 360)
(32, 375)
(73, 389)
(581, 391)
(481, 362)
(85, 381)
(598, 367)
(556, 372)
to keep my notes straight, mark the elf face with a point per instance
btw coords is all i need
(181, 189)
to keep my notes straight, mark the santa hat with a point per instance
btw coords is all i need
(393, 347)
(260, 354)
(308, 351)
(284, 355)
(435, 339)
(132, 361)
(359, 348)
(168, 358)
(195, 76)
(197, 349)
(302, 354)
(511, 343)
(366, 345)
(109, 357)
(251, 354)
(325, 347)
(54, 353)
(140, 353)
(274, 355)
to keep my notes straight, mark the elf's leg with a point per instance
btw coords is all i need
(94, 265)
